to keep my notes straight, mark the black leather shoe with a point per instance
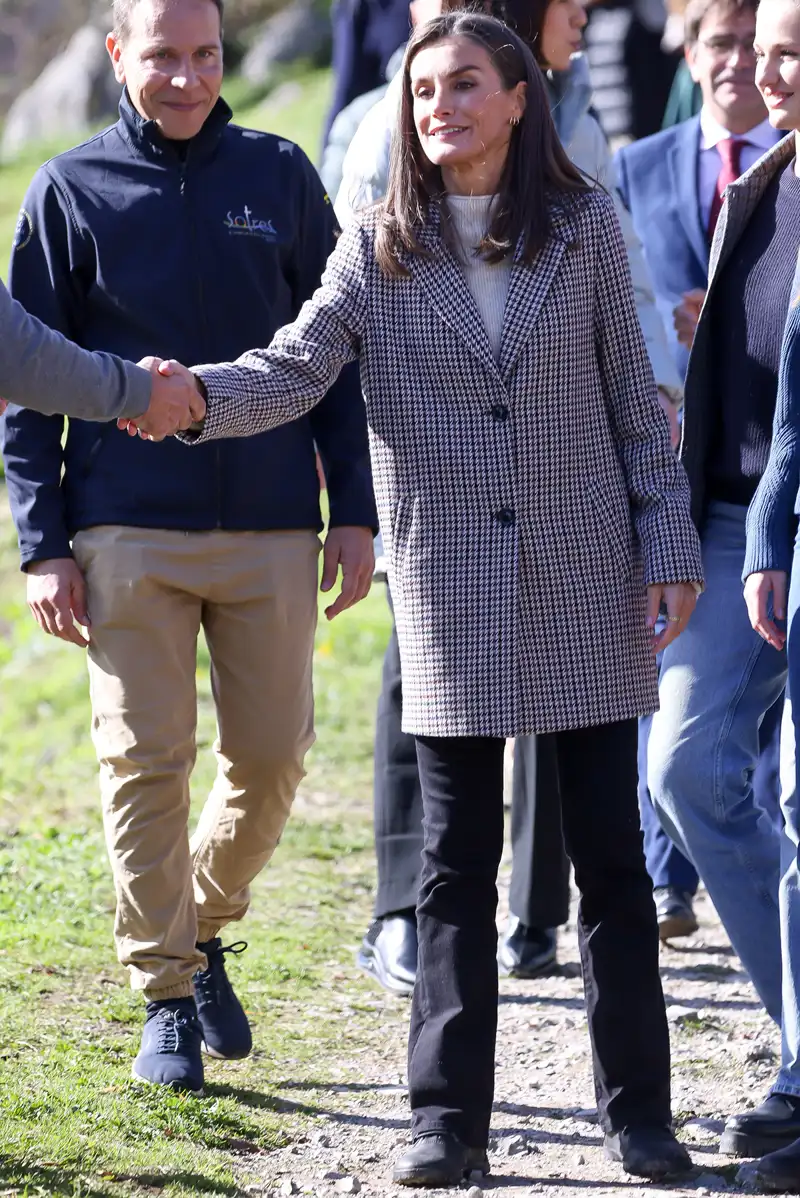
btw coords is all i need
(389, 953)
(675, 912)
(773, 1125)
(439, 1160)
(651, 1152)
(779, 1172)
(526, 952)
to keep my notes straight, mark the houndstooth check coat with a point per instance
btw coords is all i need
(524, 503)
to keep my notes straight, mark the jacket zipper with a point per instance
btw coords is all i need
(203, 318)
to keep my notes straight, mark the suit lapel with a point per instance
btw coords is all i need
(683, 164)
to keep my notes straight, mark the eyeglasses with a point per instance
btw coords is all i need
(724, 45)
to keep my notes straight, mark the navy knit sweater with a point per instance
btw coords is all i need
(749, 317)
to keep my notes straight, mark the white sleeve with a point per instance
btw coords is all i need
(365, 173)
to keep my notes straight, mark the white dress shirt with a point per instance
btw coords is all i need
(760, 139)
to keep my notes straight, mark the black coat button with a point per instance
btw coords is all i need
(506, 515)
(500, 412)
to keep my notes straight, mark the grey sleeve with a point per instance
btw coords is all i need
(42, 370)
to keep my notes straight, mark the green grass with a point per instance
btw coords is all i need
(295, 110)
(72, 1121)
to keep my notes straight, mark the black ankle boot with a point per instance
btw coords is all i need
(773, 1125)
(651, 1152)
(438, 1160)
(779, 1172)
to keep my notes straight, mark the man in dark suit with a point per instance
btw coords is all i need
(671, 183)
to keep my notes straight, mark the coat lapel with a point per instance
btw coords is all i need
(683, 160)
(526, 294)
(442, 281)
(741, 201)
(530, 285)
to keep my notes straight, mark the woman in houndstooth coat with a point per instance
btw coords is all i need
(535, 519)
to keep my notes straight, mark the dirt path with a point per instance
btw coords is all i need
(544, 1135)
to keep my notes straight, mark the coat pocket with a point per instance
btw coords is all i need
(402, 525)
(610, 515)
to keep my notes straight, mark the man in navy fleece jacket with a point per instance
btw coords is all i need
(178, 234)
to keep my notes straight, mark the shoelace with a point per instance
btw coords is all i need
(214, 983)
(174, 1028)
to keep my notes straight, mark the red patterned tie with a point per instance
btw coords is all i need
(730, 151)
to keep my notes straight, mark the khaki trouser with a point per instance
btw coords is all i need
(149, 594)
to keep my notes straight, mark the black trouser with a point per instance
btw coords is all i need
(539, 894)
(454, 1009)
(539, 890)
(397, 796)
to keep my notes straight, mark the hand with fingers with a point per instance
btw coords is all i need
(671, 412)
(57, 599)
(759, 589)
(353, 549)
(175, 402)
(679, 598)
(687, 314)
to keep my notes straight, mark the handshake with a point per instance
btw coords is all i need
(176, 402)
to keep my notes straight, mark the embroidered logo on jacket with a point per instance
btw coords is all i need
(250, 226)
(24, 230)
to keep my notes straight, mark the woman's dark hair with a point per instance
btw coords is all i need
(526, 18)
(537, 170)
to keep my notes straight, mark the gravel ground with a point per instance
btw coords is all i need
(544, 1133)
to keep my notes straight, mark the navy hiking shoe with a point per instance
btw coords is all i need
(226, 1031)
(170, 1052)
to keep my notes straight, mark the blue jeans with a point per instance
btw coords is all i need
(666, 864)
(718, 681)
(789, 893)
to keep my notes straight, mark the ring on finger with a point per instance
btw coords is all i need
(673, 619)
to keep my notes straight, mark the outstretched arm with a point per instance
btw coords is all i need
(269, 387)
(41, 369)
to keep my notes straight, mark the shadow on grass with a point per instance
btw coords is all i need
(541, 1000)
(522, 1110)
(56, 1179)
(495, 1181)
(720, 975)
(346, 1087)
(253, 1098)
(718, 1004)
(701, 950)
(260, 1101)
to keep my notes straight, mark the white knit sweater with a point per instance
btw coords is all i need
(488, 282)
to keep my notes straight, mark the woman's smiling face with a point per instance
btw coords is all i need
(778, 61)
(463, 114)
